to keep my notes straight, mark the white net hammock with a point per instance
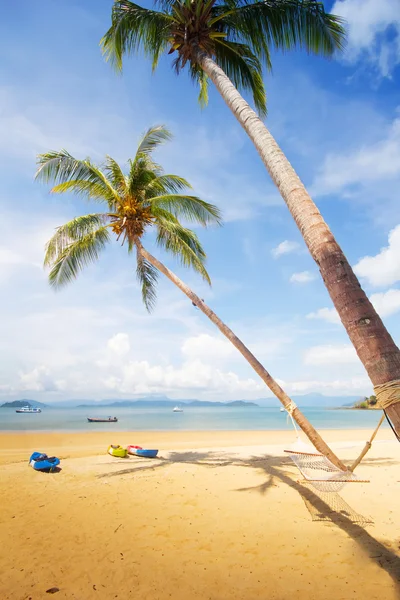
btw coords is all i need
(318, 470)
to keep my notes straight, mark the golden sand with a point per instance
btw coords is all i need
(219, 515)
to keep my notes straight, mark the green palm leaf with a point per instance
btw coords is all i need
(71, 232)
(166, 184)
(69, 261)
(70, 174)
(147, 276)
(116, 175)
(182, 243)
(244, 69)
(190, 208)
(134, 27)
(154, 137)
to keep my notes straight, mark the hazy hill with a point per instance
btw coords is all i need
(20, 403)
(312, 401)
(166, 403)
(159, 401)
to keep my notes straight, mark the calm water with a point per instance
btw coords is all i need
(196, 418)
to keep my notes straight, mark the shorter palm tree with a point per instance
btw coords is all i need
(142, 199)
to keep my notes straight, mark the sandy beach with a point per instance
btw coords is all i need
(218, 515)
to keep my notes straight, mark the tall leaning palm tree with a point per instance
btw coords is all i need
(143, 198)
(227, 41)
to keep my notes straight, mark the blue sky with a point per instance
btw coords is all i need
(338, 122)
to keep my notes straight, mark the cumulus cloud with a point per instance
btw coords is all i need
(378, 160)
(285, 247)
(303, 277)
(339, 387)
(39, 380)
(383, 268)
(208, 347)
(119, 344)
(140, 377)
(386, 303)
(325, 314)
(330, 354)
(368, 22)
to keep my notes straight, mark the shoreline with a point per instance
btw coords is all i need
(16, 446)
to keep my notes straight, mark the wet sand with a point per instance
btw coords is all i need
(218, 515)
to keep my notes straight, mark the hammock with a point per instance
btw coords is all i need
(318, 470)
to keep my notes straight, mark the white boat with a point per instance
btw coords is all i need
(282, 409)
(28, 409)
(177, 409)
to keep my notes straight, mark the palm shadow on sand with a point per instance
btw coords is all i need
(322, 506)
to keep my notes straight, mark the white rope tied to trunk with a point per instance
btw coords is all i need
(388, 393)
(291, 407)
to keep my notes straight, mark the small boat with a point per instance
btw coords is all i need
(41, 462)
(117, 451)
(28, 409)
(282, 409)
(177, 409)
(102, 420)
(143, 452)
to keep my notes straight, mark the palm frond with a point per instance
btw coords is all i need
(133, 27)
(71, 174)
(183, 243)
(115, 175)
(147, 276)
(68, 262)
(190, 208)
(70, 232)
(244, 69)
(198, 75)
(88, 189)
(166, 184)
(285, 25)
(154, 137)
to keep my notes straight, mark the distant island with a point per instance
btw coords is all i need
(21, 403)
(312, 400)
(365, 403)
(168, 403)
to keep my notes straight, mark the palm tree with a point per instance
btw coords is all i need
(135, 202)
(227, 41)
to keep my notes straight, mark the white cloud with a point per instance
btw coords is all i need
(140, 377)
(303, 277)
(325, 314)
(368, 22)
(373, 162)
(285, 247)
(384, 268)
(339, 387)
(119, 344)
(386, 303)
(330, 354)
(39, 380)
(207, 347)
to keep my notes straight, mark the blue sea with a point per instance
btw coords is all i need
(192, 419)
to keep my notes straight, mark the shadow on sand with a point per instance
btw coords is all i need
(322, 506)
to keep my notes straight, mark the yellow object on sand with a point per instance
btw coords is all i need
(118, 451)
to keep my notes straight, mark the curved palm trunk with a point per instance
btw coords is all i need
(300, 419)
(373, 343)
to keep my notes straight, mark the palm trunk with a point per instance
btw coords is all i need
(373, 343)
(300, 419)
